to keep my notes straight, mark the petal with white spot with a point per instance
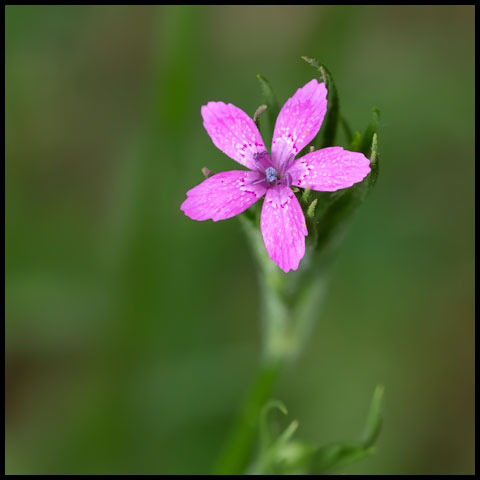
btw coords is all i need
(223, 195)
(283, 227)
(299, 121)
(329, 169)
(233, 132)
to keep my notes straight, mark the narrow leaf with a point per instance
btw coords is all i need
(272, 107)
(266, 437)
(338, 454)
(374, 418)
(311, 208)
(374, 150)
(342, 203)
(368, 183)
(371, 129)
(306, 194)
(342, 453)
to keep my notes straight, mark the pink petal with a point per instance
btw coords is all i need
(283, 227)
(223, 195)
(299, 121)
(233, 132)
(329, 169)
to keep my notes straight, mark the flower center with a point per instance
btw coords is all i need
(271, 174)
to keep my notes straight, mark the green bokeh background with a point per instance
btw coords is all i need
(132, 332)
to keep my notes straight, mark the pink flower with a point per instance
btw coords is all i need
(227, 194)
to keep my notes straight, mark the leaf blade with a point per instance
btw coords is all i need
(273, 107)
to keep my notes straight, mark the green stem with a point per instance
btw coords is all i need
(237, 450)
(288, 308)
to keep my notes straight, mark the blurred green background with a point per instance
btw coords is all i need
(132, 332)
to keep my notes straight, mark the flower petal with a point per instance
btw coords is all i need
(233, 132)
(223, 195)
(299, 121)
(329, 169)
(283, 227)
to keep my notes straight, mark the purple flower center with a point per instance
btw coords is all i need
(271, 174)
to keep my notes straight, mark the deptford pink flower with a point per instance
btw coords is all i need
(227, 194)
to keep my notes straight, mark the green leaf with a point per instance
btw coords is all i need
(280, 454)
(343, 453)
(266, 437)
(337, 211)
(326, 136)
(287, 433)
(338, 454)
(371, 129)
(374, 150)
(311, 208)
(272, 107)
(361, 190)
(306, 194)
(374, 418)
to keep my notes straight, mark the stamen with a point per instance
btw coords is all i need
(288, 162)
(271, 174)
(260, 180)
(288, 179)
